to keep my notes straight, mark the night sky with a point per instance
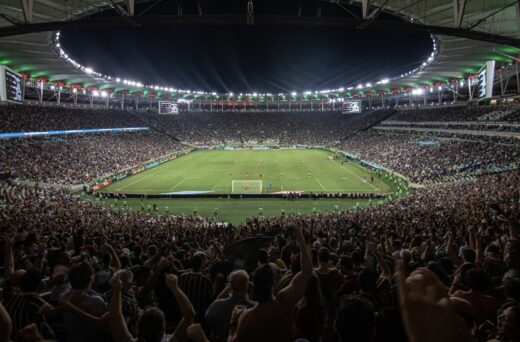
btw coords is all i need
(247, 58)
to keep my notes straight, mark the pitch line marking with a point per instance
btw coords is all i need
(137, 181)
(316, 179)
(182, 181)
(353, 174)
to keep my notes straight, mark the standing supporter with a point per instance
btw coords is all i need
(219, 312)
(270, 319)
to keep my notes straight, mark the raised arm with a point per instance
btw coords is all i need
(6, 325)
(118, 326)
(295, 290)
(187, 310)
(116, 263)
(385, 268)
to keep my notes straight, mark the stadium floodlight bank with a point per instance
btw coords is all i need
(246, 187)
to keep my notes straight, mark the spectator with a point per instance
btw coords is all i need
(219, 312)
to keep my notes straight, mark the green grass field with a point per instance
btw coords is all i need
(236, 211)
(212, 171)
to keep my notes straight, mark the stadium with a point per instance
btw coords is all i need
(245, 170)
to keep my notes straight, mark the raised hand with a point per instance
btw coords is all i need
(116, 283)
(171, 280)
(426, 308)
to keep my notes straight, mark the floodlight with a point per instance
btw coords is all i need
(294, 93)
(87, 70)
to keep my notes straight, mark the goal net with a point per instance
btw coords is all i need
(246, 186)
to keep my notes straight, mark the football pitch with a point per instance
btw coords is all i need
(264, 171)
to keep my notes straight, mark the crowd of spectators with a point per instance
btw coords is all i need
(459, 113)
(426, 157)
(285, 129)
(440, 265)
(79, 159)
(26, 118)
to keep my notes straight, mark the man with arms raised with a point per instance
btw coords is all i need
(272, 318)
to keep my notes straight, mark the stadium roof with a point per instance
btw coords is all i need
(37, 52)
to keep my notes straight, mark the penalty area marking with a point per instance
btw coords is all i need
(353, 174)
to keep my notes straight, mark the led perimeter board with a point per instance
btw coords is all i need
(10, 85)
(486, 76)
(168, 107)
(351, 107)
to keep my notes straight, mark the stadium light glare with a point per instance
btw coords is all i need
(294, 93)
(104, 94)
(95, 93)
(341, 89)
(369, 85)
(74, 90)
(231, 94)
(255, 94)
(87, 70)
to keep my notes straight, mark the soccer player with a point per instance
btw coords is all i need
(309, 174)
(260, 174)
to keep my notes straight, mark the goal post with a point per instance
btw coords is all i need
(246, 186)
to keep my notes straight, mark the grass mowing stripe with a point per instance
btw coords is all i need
(286, 169)
(137, 181)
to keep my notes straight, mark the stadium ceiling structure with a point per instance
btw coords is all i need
(466, 34)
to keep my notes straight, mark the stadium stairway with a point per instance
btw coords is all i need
(367, 116)
(153, 126)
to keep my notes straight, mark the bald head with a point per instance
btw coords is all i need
(239, 282)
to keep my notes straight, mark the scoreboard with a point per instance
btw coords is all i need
(168, 107)
(351, 107)
(10, 85)
(486, 77)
